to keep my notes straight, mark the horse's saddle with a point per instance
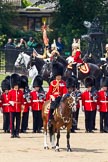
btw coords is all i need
(84, 68)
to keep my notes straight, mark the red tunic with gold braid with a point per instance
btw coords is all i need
(102, 101)
(88, 102)
(56, 88)
(15, 97)
(36, 104)
(5, 102)
(77, 58)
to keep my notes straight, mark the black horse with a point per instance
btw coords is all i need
(94, 71)
(46, 71)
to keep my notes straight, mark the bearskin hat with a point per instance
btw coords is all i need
(24, 82)
(5, 85)
(15, 80)
(71, 82)
(38, 81)
(104, 82)
(57, 69)
(8, 77)
(89, 82)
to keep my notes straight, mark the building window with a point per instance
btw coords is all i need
(38, 24)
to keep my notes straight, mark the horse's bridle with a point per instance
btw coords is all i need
(65, 120)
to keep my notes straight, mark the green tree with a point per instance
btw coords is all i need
(7, 12)
(25, 3)
(70, 15)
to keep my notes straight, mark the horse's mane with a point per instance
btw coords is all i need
(62, 60)
(64, 98)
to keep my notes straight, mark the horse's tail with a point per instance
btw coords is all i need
(51, 131)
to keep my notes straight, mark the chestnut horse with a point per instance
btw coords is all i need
(45, 112)
(62, 118)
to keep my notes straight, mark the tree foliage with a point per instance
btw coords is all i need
(7, 12)
(25, 3)
(70, 15)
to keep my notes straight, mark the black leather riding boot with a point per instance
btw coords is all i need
(51, 114)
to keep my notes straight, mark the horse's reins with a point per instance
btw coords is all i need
(64, 118)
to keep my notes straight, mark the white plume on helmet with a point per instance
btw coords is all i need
(106, 46)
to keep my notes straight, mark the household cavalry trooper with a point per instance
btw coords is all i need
(16, 101)
(103, 105)
(37, 100)
(57, 89)
(5, 106)
(26, 95)
(89, 104)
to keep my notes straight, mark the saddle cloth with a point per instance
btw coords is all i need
(84, 68)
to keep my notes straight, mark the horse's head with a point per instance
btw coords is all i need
(104, 69)
(70, 101)
(23, 59)
(19, 61)
(46, 71)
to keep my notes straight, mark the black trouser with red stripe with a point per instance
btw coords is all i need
(6, 121)
(89, 120)
(15, 127)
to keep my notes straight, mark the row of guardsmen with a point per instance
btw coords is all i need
(16, 97)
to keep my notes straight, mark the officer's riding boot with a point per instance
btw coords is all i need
(50, 117)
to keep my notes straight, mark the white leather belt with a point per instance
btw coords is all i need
(35, 100)
(89, 101)
(6, 104)
(104, 101)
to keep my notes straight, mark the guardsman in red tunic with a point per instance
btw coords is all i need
(5, 85)
(57, 89)
(103, 105)
(89, 104)
(37, 99)
(26, 95)
(16, 101)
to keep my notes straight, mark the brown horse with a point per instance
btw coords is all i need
(45, 112)
(63, 118)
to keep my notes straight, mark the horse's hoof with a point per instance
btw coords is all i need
(57, 149)
(53, 147)
(69, 150)
(46, 147)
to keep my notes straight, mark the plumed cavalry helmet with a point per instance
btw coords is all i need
(24, 82)
(89, 82)
(38, 81)
(71, 82)
(57, 69)
(104, 82)
(5, 85)
(15, 79)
